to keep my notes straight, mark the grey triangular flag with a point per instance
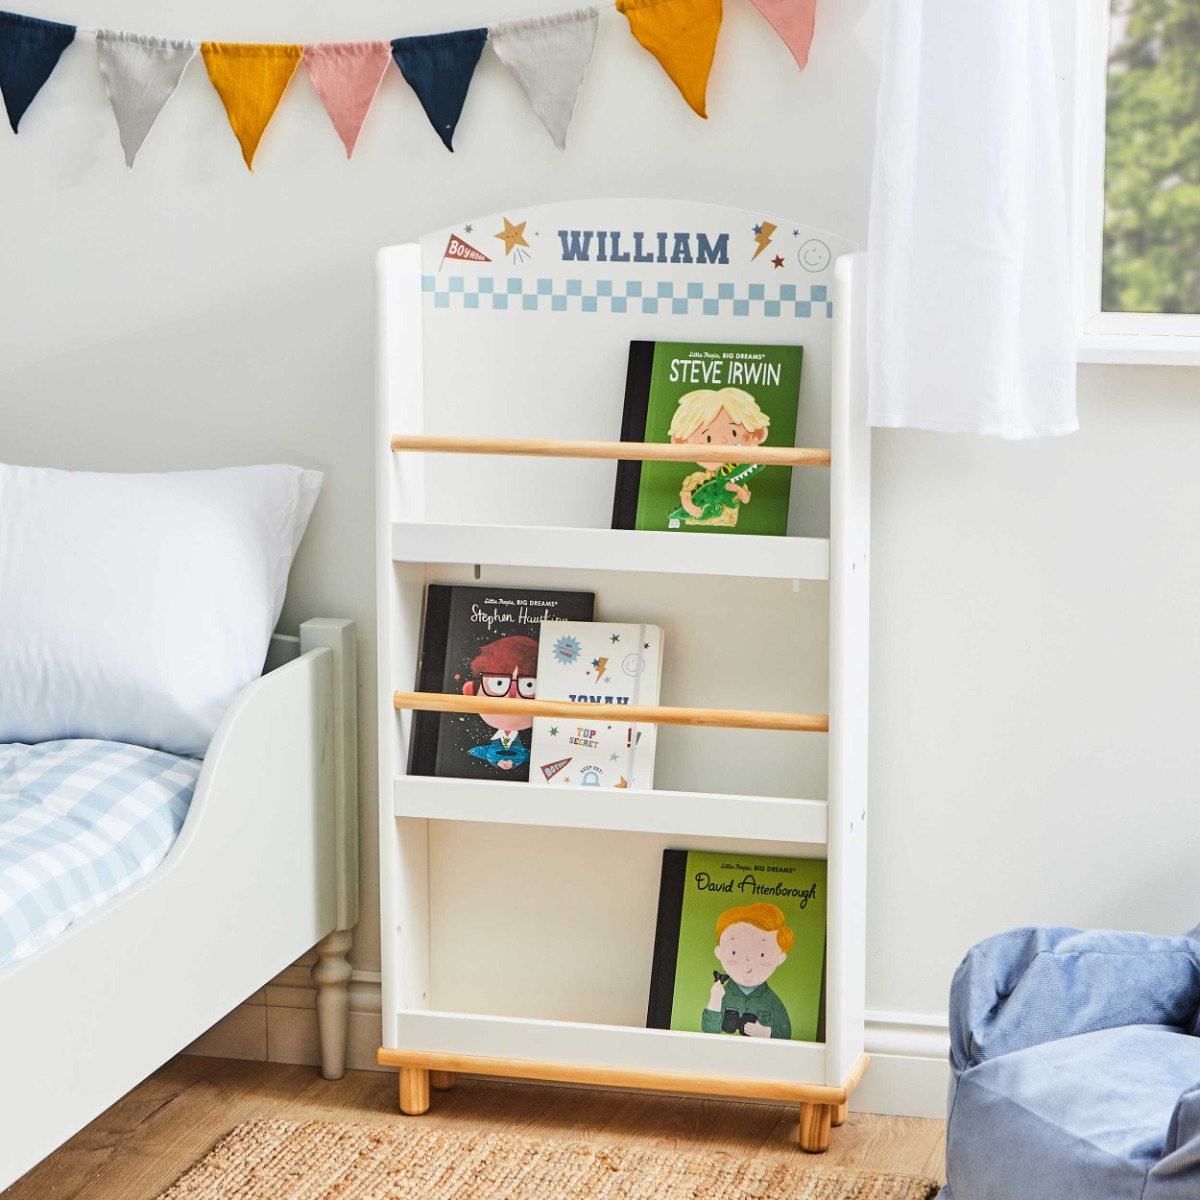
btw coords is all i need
(549, 56)
(140, 75)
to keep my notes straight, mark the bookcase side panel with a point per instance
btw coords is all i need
(404, 891)
(849, 633)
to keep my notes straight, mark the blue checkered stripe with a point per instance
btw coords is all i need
(532, 294)
(80, 821)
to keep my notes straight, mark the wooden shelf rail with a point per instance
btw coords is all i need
(716, 718)
(781, 456)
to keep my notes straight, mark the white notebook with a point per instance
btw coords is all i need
(596, 662)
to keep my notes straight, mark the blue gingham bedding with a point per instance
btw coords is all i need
(80, 821)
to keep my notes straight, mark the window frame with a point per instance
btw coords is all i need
(1112, 337)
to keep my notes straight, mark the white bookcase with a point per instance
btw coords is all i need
(517, 921)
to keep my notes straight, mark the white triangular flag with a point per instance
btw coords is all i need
(549, 56)
(140, 75)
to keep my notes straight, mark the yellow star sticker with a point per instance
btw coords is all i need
(512, 235)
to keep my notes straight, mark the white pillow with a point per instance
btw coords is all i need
(134, 608)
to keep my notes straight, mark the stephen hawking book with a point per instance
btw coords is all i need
(483, 641)
(718, 398)
(740, 945)
(597, 662)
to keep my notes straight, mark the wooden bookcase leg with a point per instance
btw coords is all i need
(840, 1113)
(414, 1091)
(441, 1081)
(815, 1120)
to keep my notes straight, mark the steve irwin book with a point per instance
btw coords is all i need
(720, 399)
(483, 641)
(740, 945)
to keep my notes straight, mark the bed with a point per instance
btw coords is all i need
(263, 868)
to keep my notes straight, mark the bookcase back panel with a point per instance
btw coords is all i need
(527, 318)
(551, 924)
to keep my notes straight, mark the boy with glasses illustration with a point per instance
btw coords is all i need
(504, 668)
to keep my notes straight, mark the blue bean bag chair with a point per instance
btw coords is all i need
(1076, 1068)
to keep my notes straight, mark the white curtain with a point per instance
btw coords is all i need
(971, 322)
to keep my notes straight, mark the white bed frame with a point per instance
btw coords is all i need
(265, 868)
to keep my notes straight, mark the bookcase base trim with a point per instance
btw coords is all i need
(821, 1106)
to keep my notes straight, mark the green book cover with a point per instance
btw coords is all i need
(718, 397)
(740, 945)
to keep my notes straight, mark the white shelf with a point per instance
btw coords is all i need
(584, 1044)
(686, 814)
(611, 550)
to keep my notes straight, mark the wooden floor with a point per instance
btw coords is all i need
(145, 1141)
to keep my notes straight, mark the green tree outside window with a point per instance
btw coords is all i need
(1152, 159)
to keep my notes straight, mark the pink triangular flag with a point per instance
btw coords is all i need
(347, 75)
(793, 20)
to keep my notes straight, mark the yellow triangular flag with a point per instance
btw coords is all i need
(682, 35)
(251, 81)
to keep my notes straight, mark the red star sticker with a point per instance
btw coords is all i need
(777, 261)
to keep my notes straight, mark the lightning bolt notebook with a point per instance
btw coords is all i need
(597, 662)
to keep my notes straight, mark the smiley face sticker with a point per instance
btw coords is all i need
(633, 664)
(814, 255)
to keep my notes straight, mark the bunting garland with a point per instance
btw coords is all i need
(794, 21)
(140, 75)
(29, 51)
(250, 79)
(346, 76)
(682, 35)
(439, 67)
(548, 57)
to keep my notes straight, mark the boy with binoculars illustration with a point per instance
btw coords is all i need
(752, 941)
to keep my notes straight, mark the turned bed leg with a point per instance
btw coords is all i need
(441, 1081)
(414, 1091)
(840, 1113)
(331, 974)
(815, 1120)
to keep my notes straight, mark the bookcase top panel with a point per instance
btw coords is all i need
(665, 258)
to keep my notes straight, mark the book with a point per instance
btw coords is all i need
(722, 396)
(597, 662)
(483, 641)
(740, 945)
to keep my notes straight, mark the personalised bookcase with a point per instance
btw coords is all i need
(518, 921)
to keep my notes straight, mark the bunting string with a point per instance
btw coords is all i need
(547, 56)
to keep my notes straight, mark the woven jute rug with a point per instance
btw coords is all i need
(316, 1160)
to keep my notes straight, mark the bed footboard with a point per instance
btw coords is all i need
(264, 869)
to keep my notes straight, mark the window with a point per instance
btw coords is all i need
(1139, 180)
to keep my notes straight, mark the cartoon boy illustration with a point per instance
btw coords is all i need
(724, 420)
(507, 667)
(751, 942)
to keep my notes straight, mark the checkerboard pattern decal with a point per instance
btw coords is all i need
(677, 299)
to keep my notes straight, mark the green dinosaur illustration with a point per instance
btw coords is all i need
(714, 497)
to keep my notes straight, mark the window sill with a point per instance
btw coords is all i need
(1158, 350)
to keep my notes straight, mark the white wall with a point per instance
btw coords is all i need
(1036, 650)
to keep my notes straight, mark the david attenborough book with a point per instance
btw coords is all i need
(719, 398)
(597, 662)
(483, 641)
(740, 945)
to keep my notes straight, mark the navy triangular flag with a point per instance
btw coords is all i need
(438, 67)
(29, 51)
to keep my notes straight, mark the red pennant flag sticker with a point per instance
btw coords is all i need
(551, 769)
(458, 249)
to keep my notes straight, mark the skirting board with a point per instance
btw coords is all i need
(909, 1072)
